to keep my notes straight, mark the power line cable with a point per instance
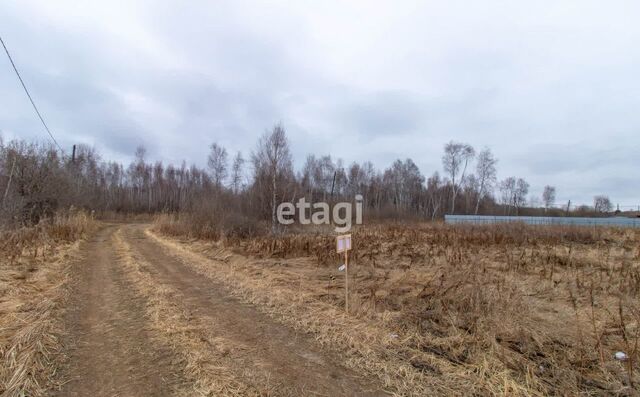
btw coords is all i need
(29, 95)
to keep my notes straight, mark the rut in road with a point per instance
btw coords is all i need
(110, 350)
(273, 358)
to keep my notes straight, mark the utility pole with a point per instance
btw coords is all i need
(73, 154)
(333, 185)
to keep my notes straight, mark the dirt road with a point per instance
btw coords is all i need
(116, 347)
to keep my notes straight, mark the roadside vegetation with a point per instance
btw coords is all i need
(34, 276)
(506, 309)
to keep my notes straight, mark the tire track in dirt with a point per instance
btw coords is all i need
(282, 361)
(109, 347)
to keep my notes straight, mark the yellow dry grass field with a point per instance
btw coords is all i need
(34, 272)
(451, 310)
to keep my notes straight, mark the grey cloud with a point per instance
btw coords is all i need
(555, 95)
(381, 113)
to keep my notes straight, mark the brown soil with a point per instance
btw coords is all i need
(109, 347)
(115, 350)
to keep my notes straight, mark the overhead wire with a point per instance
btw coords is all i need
(29, 96)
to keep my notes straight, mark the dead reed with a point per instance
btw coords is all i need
(505, 309)
(34, 273)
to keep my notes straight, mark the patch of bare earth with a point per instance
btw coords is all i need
(111, 351)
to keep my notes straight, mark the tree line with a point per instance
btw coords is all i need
(38, 180)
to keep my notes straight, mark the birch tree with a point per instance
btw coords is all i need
(485, 174)
(272, 159)
(217, 162)
(455, 160)
(548, 197)
(237, 170)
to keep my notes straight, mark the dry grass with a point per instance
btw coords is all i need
(200, 225)
(33, 279)
(508, 310)
(366, 347)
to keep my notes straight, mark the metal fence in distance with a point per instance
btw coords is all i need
(543, 220)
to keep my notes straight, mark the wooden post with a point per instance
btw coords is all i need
(346, 280)
(343, 244)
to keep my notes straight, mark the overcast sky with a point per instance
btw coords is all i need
(551, 87)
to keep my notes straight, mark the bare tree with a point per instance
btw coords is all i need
(455, 161)
(434, 195)
(35, 180)
(507, 191)
(404, 184)
(602, 204)
(356, 179)
(39, 182)
(6, 190)
(520, 194)
(217, 162)
(272, 159)
(236, 173)
(486, 174)
(548, 196)
(469, 190)
(359, 179)
(319, 174)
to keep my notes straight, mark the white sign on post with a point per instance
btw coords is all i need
(343, 243)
